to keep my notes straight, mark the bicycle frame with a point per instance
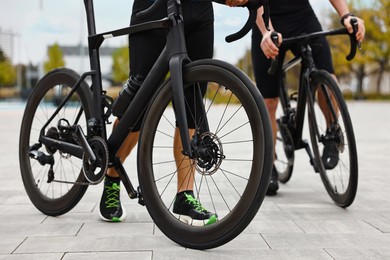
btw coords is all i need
(304, 89)
(294, 119)
(172, 58)
(174, 54)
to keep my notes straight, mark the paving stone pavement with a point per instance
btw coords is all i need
(301, 222)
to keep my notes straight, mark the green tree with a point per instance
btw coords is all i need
(2, 56)
(375, 54)
(7, 71)
(381, 56)
(245, 64)
(55, 58)
(120, 67)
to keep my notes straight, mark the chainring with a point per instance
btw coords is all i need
(52, 133)
(94, 172)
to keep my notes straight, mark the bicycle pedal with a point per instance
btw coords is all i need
(294, 96)
(41, 157)
(140, 197)
(65, 128)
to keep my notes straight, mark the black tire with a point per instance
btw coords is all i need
(53, 198)
(237, 188)
(341, 182)
(284, 153)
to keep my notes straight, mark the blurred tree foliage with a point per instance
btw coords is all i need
(7, 71)
(120, 67)
(55, 58)
(374, 57)
(245, 64)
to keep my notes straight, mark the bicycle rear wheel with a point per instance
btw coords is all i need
(53, 194)
(332, 138)
(234, 184)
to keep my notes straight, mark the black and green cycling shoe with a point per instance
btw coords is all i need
(110, 205)
(190, 211)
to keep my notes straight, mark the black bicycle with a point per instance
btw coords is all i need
(64, 146)
(330, 126)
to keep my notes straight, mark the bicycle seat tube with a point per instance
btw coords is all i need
(93, 48)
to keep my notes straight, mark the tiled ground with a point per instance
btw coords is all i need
(301, 222)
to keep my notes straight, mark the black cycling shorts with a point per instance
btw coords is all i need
(199, 32)
(300, 23)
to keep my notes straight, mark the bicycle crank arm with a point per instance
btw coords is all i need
(133, 194)
(84, 144)
(310, 154)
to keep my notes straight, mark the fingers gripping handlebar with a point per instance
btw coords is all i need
(252, 6)
(274, 64)
(354, 44)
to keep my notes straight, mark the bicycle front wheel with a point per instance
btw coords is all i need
(58, 191)
(232, 165)
(332, 139)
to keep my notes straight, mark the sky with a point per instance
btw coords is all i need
(36, 24)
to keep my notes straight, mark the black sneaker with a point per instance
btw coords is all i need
(190, 211)
(273, 185)
(110, 204)
(330, 155)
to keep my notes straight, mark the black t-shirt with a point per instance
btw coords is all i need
(289, 7)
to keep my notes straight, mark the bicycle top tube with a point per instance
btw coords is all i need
(96, 39)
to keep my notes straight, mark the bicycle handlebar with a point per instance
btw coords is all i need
(353, 41)
(354, 44)
(252, 6)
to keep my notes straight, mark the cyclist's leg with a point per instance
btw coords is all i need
(185, 166)
(200, 40)
(269, 88)
(124, 151)
(326, 101)
(145, 49)
(325, 107)
(322, 59)
(200, 45)
(272, 105)
(110, 208)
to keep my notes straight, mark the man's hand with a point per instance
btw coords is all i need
(361, 29)
(268, 47)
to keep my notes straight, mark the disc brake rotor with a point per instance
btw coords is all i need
(209, 154)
